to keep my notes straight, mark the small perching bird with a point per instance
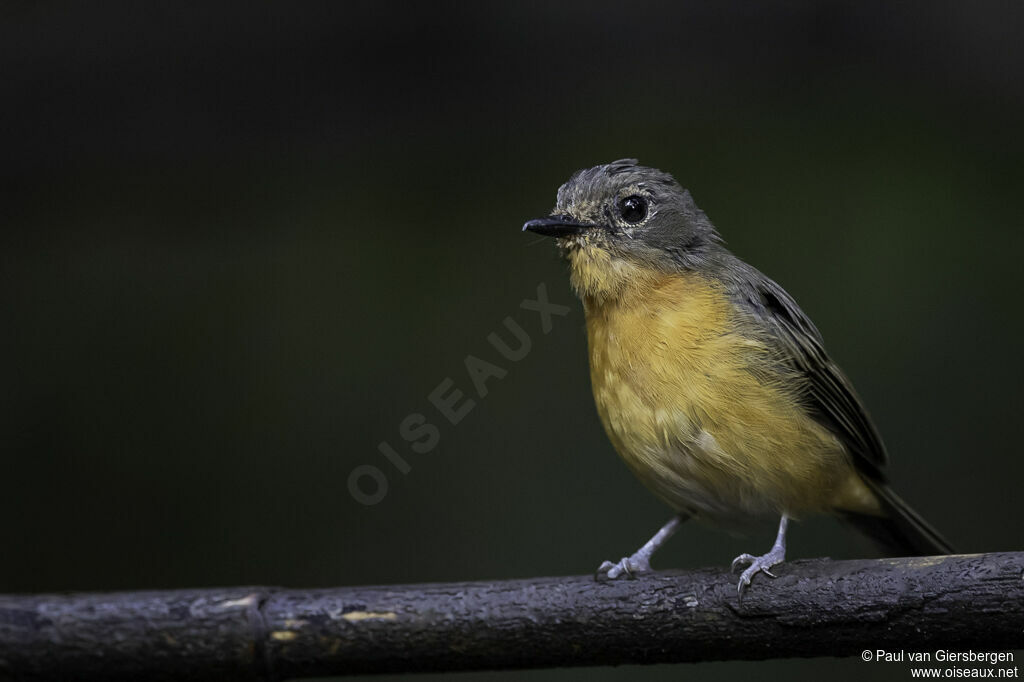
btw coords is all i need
(712, 384)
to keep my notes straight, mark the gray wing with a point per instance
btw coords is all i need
(830, 397)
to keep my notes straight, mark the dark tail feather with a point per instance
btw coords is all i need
(901, 532)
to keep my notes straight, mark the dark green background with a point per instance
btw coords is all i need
(243, 242)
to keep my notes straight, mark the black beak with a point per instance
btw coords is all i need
(556, 226)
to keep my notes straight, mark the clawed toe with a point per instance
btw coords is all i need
(627, 567)
(742, 559)
(614, 571)
(758, 564)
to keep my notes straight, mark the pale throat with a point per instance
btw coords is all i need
(598, 277)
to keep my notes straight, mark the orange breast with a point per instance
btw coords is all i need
(673, 382)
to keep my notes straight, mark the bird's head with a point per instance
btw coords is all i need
(621, 224)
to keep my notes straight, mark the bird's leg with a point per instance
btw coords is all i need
(640, 561)
(763, 563)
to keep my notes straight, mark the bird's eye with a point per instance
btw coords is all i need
(633, 209)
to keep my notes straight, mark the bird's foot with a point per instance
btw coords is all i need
(758, 564)
(627, 567)
(640, 561)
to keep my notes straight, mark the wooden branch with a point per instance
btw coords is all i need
(814, 608)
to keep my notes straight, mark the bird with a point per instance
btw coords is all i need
(712, 384)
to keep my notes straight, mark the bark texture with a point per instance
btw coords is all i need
(814, 608)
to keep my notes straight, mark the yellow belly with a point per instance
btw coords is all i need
(674, 387)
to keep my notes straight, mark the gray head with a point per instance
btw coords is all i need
(623, 216)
